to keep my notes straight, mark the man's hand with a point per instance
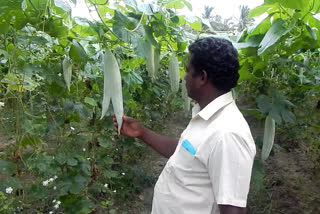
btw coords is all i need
(227, 209)
(130, 127)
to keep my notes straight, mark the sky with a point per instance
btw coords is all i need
(224, 8)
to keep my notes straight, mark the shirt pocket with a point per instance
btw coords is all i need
(185, 156)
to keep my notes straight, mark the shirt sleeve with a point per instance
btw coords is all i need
(229, 166)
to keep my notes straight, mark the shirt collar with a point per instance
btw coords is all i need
(213, 107)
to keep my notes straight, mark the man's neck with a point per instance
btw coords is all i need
(208, 97)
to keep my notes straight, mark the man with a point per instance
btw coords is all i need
(209, 167)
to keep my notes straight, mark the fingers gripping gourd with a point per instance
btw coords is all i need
(112, 87)
(268, 137)
(67, 71)
(174, 73)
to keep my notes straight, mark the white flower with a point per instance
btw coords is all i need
(106, 185)
(56, 206)
(115, 190)
(54, 201)
(55, 177)
(59, 74)
(54, 188)
(1, 104)
(123, 173)
(45, 183)
(59, 202)
(51, 212)
(51, 179)
(84, 149)
(72, 128)
(9, 190)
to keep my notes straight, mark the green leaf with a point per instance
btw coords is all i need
(72, 184)
(61, 158)
(127, 29)
(63, 5)
(276, 106)
(276, 31)
(194, 22)
(90, 101)
(259, 10)
(189, 6)
(142, 48)
(75, 204)
(30, 141)
(149, 35)
(72, 162)
(175, 4)
(7, 167)
(253, 41)
(77, 52)
(104, 142)
(312, 33)
(56, 28)
(302, 5)
(244, 72)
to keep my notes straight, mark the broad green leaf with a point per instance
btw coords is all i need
(276, 106)
(244, 72)
(104, 142)
(260, 10)
(127, 29)
(194, 22)
(30, 141)
(56, 28)
(189, 6)
(77, 52)
(149, 35)
(311, 31)
(90, 101)
(72, 162)
(303, 5)
(7, 167)
(277, 30)
(148, 9)
(63, 5)
(253, 41)
(142, 48)
(175, 4)
(131, 3)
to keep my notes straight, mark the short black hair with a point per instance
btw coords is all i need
(219, 59)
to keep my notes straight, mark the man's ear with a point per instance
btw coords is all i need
(204, 77)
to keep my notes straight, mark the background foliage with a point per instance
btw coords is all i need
(61, 158)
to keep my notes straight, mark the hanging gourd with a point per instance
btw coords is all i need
(156, 61)
(67, 71)
(174, 75)
(150, 62)
(112, 88)
(268, 137)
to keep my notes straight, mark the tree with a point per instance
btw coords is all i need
(207, 12)
(244, 20)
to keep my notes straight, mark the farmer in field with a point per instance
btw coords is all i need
(209, 166)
